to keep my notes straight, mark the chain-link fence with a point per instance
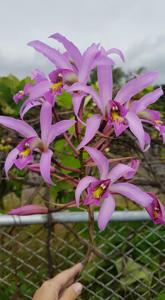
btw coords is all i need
(128, 260)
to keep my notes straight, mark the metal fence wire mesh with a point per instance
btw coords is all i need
(130, 263)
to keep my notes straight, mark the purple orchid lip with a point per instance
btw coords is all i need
(97, 191)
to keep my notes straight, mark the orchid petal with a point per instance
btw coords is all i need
(45, 121)
(104, 74)
(39, 89)
(77, 100)
(52, 54)
(59, 128)
(146, 100)
(27, 105)
(29, 210)
(116, 51)
(100, 160)
(70, 47)
(92, 126)
(106, 211)
(45, 166)
(120, 170)
(88, 90)
(134, 86)
(20, 126)
(82, 185)
(134, 164)
(136, 128)
(132, 192)
(10, 159)
(87, 62)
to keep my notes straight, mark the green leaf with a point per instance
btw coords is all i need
(132, 272)
(64, 100)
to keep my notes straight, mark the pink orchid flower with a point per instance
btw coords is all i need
(30, 209)
(122, 112)
(74, 66)
(100, 191)
(22, 155)
(156, 210)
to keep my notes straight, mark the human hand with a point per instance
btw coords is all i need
(61, 287)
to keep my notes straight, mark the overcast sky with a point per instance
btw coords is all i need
(136, 27)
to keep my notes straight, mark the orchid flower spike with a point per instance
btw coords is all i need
(22, 155)
(100, 192)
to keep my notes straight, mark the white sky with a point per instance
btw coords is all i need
(136, 27)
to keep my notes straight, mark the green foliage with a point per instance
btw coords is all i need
(65, 100)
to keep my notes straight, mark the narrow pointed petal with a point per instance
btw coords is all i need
(20, 126)
(52, 54)
(82, 185)
(100, 160)
(134, 164)
(92, 126)
(77, 100)
(136, 128)
(26, 106)
(119, 127)
(88, 90)
(39, 89)
(10, 159)
(132, 192)
(104, 74)
(134, 86)
(59, 128)
(73, 51)
(31, 209)
(118, 52)
(106, 211)
(146, 100)
(45, 121)
(45, 166)
(120, 170)
(87, 62)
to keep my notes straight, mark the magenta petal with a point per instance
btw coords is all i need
(100, 160)
(72, 50)
(39, 89)
(18, 125)
(29, 210)
(82, 185)
(132, 192)
(77, 100)
(27, 105)
(120, 170)
(136, 128)
(52, 54)
(92, 125)
(116, 51)
(119, 127)
(59, 128)
(146, 100)
(88, 90)
(104, 74)
(134, 86)
(45, 166)
(10, 159)
(87, 62)
(45, 121)
(106, 211)
(134, 164)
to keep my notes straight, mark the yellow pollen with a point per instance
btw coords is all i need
(55, 86)
(25, 152)
(99, 191)
(158, 122)
(115, 116)
(155, 212)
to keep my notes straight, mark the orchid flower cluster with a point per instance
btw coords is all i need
(111, 115)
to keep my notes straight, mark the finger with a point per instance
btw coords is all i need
(61, 280)
(72, 292)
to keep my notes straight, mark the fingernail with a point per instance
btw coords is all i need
(77, 288)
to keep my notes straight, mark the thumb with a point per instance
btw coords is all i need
(72, 292)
